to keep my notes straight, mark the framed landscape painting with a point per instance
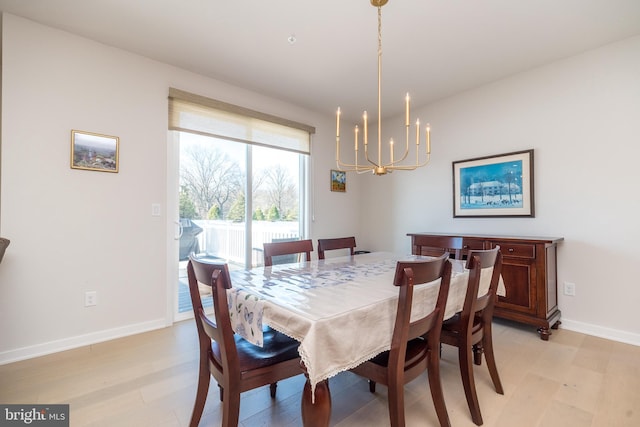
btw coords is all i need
(338, 181)
(494, 186)
(93, 151)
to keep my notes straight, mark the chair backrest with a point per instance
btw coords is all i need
(337, 243)
(215, 275)
(408, 274)
(477, 261)
(283, 259)
(286, 248)
(436, 245)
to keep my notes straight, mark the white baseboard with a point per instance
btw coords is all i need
(601, 332)
(110, 334)
(78, 341)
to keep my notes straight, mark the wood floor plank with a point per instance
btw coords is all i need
(150, 380)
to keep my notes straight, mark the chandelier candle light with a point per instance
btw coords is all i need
(378, 167)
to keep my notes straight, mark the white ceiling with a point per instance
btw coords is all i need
(431, 48)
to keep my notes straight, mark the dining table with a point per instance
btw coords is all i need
(341, 310)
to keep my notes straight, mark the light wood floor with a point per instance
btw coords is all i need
(150, 379)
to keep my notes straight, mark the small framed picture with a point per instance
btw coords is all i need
(94, 152)
(494, 186)
(338, 181)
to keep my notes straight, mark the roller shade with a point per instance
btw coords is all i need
(205, 116)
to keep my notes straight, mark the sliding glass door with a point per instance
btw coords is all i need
(233, 197)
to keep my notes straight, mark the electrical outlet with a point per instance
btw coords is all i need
(90, 298)
(569, 289)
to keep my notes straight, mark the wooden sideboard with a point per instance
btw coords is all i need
(529, 271)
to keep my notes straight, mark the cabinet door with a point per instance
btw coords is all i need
(520, 277)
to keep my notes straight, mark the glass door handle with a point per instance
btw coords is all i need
(180, 230)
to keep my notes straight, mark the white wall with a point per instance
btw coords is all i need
(72, 230)
(581, 117)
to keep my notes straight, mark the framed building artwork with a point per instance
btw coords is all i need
(494, 186)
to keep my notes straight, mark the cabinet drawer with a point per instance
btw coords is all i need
(516, 250)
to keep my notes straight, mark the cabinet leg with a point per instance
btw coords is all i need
(544, 333)
(555, 325)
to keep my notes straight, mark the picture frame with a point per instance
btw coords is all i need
(338, 181)
(94, 151)
(494, 186)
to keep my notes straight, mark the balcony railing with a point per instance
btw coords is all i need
(226, 239)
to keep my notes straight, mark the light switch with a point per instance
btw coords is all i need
(155, 209)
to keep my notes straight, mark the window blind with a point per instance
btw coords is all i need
(205, 116)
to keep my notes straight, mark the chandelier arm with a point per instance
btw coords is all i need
(366, 156)
(351, 167)
(354, 167)
(410, 167)
(347, 167)
(406, 151)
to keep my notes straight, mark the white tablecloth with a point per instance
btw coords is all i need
(342, 310)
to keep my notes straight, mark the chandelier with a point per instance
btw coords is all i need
(378, 167)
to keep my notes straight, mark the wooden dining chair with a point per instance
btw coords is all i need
(275, 249)
(434, 245)
(470, 330)
(236, 364)
(415, 344)
(334, 244)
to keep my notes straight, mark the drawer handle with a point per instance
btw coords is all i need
(510, 249)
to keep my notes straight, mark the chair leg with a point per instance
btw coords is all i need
(204, 378)
(395, 396)
(435, 384)
(477, 353)
(272, 389)
(231, 408)
(491, 360)
(221, 390)
(468, 382)
(372, 386)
